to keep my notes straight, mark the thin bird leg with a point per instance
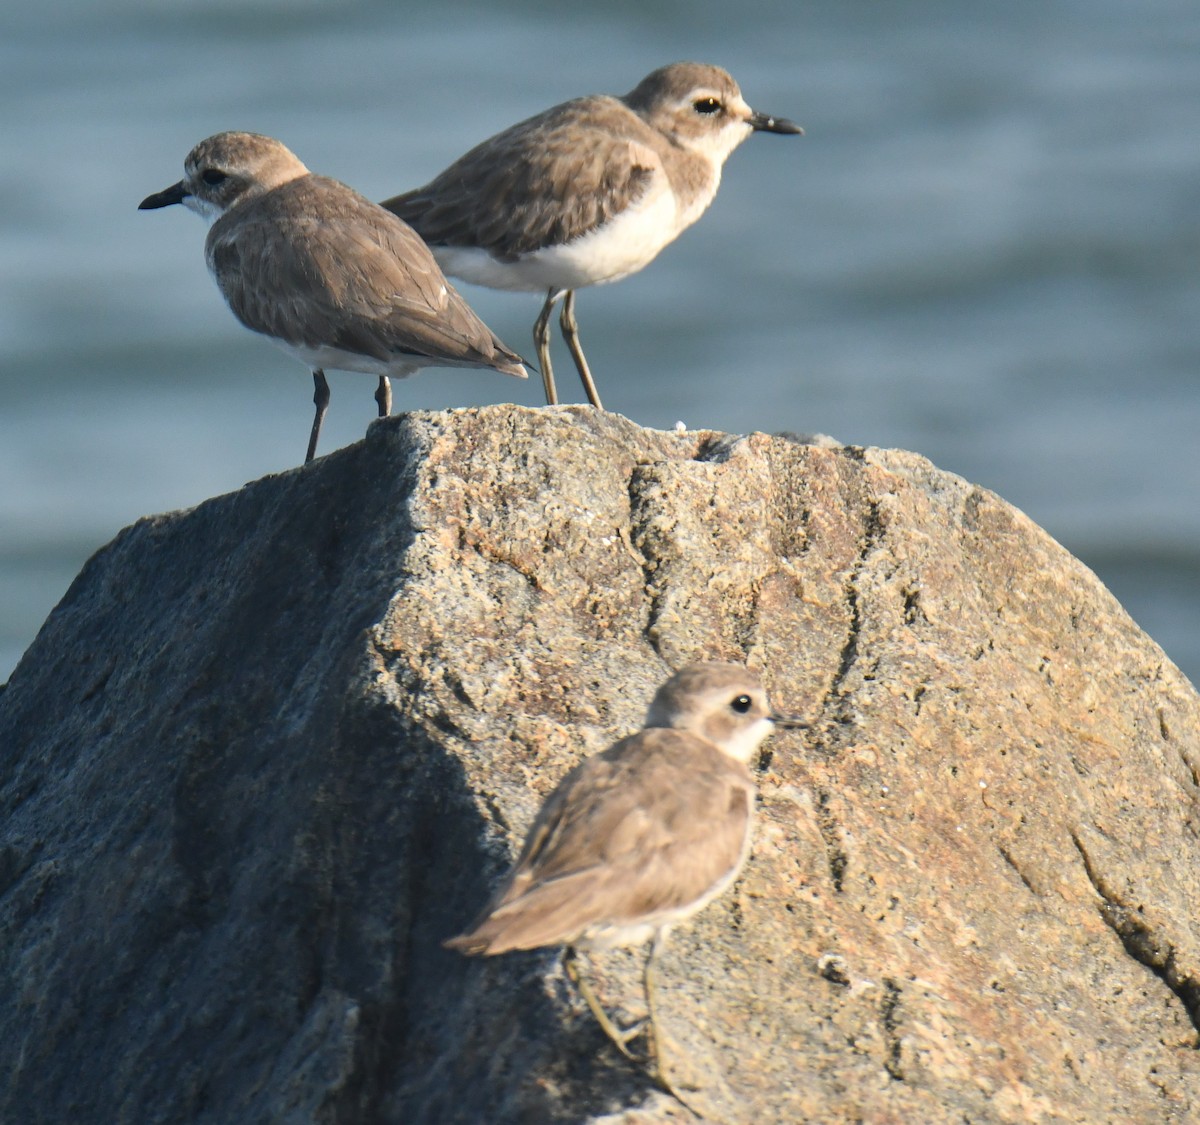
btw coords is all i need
(619, 1037)
(570, 331)
(660, 1069)
(383, 396)
(651, 997)
(321, 401)
(541, 341)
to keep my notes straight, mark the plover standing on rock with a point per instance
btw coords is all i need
(587, 192)
(332, 278)
(638, 838)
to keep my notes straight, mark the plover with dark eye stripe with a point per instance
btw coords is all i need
(640, 837)
(584, 193)
(332, 278)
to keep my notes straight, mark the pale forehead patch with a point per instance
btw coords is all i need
(730, 94)
(672, 83)
(250, 156)
(237, 148)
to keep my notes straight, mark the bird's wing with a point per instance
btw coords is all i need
(544, 182)
(335, 269)
(650, 826)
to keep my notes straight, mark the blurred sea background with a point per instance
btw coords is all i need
(986, 250)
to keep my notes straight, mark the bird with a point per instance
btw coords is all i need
(639, 837)
(585, 193)
(326, 274)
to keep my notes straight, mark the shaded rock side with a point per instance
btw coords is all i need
(268, 753)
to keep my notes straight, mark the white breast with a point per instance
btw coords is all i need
(623, 245)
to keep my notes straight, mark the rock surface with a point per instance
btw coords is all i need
(266, 754)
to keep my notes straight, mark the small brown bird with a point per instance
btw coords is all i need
(638, 838)
(586, 192)
(332, 278)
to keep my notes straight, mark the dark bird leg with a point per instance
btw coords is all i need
(321, 401)
(541, 341)
(619, 1037)
(383, 396)
(570, 331)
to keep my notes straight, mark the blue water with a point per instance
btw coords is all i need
(986, 249)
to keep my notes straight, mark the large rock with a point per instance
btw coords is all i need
(267, 754)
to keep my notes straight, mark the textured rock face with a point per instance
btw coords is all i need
(268, 753)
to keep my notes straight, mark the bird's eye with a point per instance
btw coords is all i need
(213, 176)
(706, 105)
(742, 704)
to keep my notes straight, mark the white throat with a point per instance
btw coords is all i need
(742, 744)
(205, 208)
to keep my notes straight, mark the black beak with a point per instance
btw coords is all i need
(761, 123)
(176, 193)
(788, 722)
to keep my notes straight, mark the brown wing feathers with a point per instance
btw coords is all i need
(388, 297)
(520, 179)
(601, 854)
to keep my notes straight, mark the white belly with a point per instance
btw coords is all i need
(335, 359)
(624, 245)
